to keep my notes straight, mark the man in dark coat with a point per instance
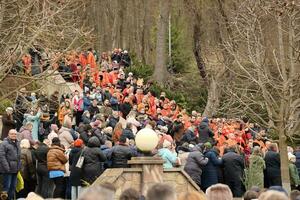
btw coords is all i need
(272, 171)
(45, 185)
(127, 132)
(93, 109)
(8, 122)
(210, 171)
(189, 136)
(94, 160)
(233, 171)
(10, 162)
(21, 106)
(194, 164)
(205, 134)
(53, 103)
(114, 119)
(125, 107)
(121, 153)
(125, 59)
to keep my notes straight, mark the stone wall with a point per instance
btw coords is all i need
(142, 176)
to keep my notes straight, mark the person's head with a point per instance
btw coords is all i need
(291, 157)
(56, 141)
(78, 143)
(124, 140)
(129, 125)
(167, 144)
(9, 110)
(108, 144)
(102, 192)
(219, 192)
(161, 191)
(95, 102)
(46, 142)
(54, 128)
(256, 150)
(67, 123)
(130, 194)
(295, 195)
(272, 195)
(249, 195)
(25, 144)
(192, 196)
(28, 126)
(273, 147)
(12, 134)
(115, 114)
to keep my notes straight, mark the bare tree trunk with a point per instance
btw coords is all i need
(160, 71)
(284, 163)
(213, 100)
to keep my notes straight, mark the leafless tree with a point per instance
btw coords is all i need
(266, 68)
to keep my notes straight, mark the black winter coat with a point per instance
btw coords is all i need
(127, 132)
(10, 156)
(205, 134)
(93, 161)
(41, 158)
(233, 167)
(297, 154)
(272, 171)
(125, 108)
(194, 164)
(8, 123)
(120, 154)
(75, 175)
(210, 171)
(93, 111)
(189, 137)
(112, 122)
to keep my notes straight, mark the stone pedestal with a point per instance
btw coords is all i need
(144, 172)
(152, 171)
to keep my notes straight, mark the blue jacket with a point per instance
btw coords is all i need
(169, 157)
(210, 171)
(35, 120)
(86, 103)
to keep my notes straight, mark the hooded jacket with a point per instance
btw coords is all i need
(120, 154)
(56, 159)
(93, 160)
(205, 134)
(194, 164)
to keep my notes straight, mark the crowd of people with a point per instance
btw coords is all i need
(60, 143)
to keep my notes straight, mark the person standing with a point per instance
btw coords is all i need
(45, 185)
(294, 177)
(255, 173)
(10, 162)
(8, 122)
(210, 171)
(27, 169)
(272, 172)
(94, 160)
(56, 161)
(194, 164)
(75, 175)
(233, 171)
